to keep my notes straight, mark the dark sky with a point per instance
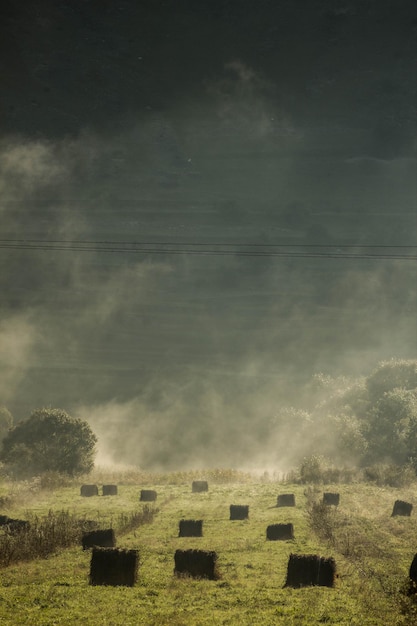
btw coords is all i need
(201, 205)
(346, 65)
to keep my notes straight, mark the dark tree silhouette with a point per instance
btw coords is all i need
(50, 440)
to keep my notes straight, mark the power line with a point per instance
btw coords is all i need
(173, 251)
(194, 243)
(197, 249)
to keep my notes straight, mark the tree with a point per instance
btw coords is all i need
(50, 440)
(392, 422)
(385, 411)
(367, 421)
(390, 375)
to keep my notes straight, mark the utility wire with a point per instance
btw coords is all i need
(204, 250)
(211, 244)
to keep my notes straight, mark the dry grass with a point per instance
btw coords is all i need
(46, 535)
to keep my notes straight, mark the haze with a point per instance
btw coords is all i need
(201, 206)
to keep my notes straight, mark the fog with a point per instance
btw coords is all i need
(178, 277)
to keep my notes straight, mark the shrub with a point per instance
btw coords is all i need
(312, 469)
(390, 475)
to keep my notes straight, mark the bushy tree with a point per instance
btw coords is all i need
(383, 410)
(50, 440)
(390, 375)
(367, 421)
(391, 426)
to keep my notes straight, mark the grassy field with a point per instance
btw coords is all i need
(373, 552)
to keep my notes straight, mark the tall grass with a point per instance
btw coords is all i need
(371, 550)
(57, 530)
(42, 538)
(130, 521)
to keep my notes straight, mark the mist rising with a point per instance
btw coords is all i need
(182, 338)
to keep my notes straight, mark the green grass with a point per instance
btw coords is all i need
(373, 553)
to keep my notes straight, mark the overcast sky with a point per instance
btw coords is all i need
(202, 204)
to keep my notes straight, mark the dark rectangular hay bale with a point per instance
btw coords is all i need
(306, 570)
(199, 486)
(280, 532)
(413, 569)
(196, 563)
(191, 528)
(402, 508)
(89, 490)
(239, 511)
(286, 499)
(331, 498)
(115, 567)
(148, 495)
(14, 526)
(109, 490)
(102, 538)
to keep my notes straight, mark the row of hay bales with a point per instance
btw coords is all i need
(105, 538)
(147, 495)
(400, 506)
(117, 567)
(329, 498)
(274, 532)
(88, 491)
(198, 486)
(333, 499)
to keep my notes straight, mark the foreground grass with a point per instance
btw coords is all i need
(373, 553)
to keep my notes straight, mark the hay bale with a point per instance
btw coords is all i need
(280, 532)
(239, 511)
(148, 495)
(286, 499)
(109, 490)
(190, 528)
(15, 526)
(331, 498)
(411, 590)
(196, 563)
(306, 570)
(413, 569)
(115, 567)
(102, 538)
(89, 490)
(402, 508)
(199, 486)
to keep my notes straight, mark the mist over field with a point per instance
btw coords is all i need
(200, 209)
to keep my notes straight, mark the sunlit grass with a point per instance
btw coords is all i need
(372, 550)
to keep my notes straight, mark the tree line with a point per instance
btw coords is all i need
(359, 422)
